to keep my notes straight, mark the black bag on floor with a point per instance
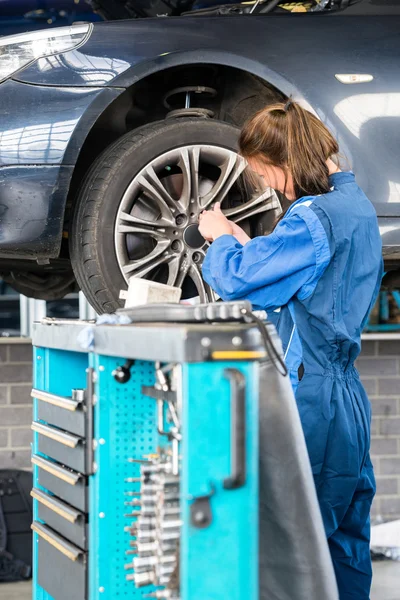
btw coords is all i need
(15, 525)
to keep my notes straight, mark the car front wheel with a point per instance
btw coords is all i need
(137, 211)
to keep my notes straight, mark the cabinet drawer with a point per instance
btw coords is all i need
(68, 414)
(62, 567)
(64, 447)
(64, 483)
(63, 518)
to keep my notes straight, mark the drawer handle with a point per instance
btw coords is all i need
(62, 509)
(72, 552)
(56, 470)
(67, 439)
(61, 401)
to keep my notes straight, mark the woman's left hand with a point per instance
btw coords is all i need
(213, 224)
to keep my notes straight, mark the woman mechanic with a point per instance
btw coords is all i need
(320, 269)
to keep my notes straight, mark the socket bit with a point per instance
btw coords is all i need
(168, 478)
(146, 521)
(165, 573)
(147, 561)
(142, 579)
(170, 511)
(146, 535)
(167, 559)
(167, 536)
(156, 547)
(148, 510)
(167, 497)
(170, 524)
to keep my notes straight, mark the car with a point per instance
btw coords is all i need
(17, 16)
(115, 135)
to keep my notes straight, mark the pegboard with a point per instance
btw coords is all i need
(124, 427)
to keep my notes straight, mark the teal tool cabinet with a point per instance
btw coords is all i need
(145, 451)
(169, 462)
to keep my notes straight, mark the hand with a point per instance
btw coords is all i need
(213, 224)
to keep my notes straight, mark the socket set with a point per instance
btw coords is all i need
(155, 526)
(155, 511)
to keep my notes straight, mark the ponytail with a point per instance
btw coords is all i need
(286, 135)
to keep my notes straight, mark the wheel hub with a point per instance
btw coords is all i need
(193, 237)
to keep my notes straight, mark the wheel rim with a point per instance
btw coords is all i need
(156, 232)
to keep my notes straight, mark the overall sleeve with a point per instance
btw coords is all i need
(268, 271)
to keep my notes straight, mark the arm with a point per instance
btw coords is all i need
(268, 270)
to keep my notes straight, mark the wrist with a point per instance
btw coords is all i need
(224, 230)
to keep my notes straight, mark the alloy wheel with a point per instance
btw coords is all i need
(156, 229)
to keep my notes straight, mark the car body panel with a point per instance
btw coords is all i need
(31, 210)
(37, 159)
(39, 123)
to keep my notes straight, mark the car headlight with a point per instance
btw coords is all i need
(18, 51)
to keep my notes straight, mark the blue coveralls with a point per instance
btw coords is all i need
(320, 271)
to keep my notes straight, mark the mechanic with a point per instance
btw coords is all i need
(318, 275)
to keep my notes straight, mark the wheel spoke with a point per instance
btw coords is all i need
(152, 187)
(231, 170)
(149, 262)
(211, 295)
(141, 227)
(195, 274)
(189, 164)
(263, 203)
(178, 269)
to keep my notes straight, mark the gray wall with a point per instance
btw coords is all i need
(15, 404)
(379, 366)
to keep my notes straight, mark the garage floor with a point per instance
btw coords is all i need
(386, 584)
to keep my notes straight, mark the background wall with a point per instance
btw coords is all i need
(15, 404)
(379, 367)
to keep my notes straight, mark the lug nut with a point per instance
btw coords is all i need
(180, 219)
(176, 245)
(196, 257)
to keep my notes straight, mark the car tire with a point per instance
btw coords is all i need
(92, 247)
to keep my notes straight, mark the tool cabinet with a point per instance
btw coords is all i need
(146, 467)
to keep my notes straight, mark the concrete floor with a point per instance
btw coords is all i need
(386, 585)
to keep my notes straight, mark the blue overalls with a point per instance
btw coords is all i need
(320, 271)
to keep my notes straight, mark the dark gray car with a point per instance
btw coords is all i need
(115, 135)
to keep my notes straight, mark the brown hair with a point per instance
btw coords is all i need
(292, 138)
